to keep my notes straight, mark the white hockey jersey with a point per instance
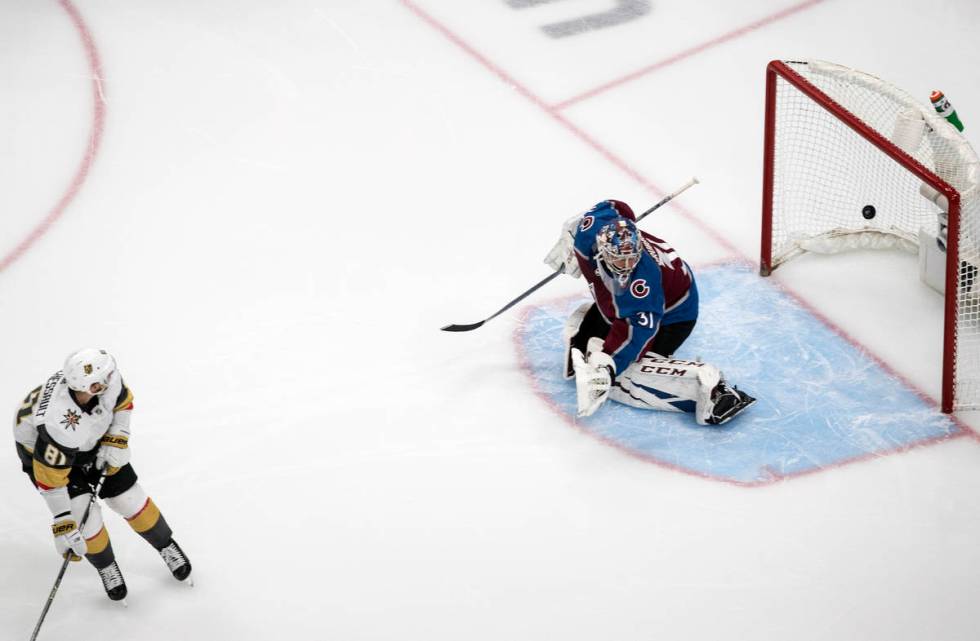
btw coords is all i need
(72, 428)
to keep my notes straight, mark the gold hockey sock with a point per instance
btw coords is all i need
(100, 552)
(151, 525)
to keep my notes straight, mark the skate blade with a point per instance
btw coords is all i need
(736, 410)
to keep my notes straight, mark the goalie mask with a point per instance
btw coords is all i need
(89, 370)
(619, 247)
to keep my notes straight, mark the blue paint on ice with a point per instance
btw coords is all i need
(822, 401)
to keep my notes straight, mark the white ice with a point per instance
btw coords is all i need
(286, 200)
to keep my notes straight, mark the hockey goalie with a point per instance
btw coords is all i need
(621, 346)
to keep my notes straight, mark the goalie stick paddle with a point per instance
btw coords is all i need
(64, 565)
(551, 277)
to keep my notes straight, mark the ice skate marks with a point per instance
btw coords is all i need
(822, 401)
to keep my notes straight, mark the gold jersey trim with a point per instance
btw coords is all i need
(127, 399)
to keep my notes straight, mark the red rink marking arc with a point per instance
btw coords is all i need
(95, 140)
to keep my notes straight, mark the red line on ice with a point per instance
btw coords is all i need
(687, 53)
(95, 139)
(567, 124)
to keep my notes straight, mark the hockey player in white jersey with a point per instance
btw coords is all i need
(69, 431)
(646, 304)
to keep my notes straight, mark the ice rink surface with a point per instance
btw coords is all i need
(266, 210)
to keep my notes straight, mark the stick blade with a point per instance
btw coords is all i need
(462, 328)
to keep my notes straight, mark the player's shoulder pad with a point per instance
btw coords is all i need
(118, 397)
(52, 388)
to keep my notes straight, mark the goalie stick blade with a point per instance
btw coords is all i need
(462, 328)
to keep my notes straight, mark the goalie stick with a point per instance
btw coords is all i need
(550, 277)
(64, 565)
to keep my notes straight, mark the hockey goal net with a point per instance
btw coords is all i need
(853, 162)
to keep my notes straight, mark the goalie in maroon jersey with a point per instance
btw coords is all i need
(646, 305)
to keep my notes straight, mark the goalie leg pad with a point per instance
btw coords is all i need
(666, 384)
(675, 385)
(572, 326)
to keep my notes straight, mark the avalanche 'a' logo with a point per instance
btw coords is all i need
(639, 288)
(587, 222)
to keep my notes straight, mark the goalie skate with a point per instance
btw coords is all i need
(727, 403)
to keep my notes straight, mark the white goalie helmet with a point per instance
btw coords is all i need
(89, 370)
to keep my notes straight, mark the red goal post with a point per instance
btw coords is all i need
(852, 162)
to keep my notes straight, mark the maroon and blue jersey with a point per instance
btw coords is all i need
(659, 291)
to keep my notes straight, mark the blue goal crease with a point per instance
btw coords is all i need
(821, 401)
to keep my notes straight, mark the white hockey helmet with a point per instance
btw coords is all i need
(89, 370)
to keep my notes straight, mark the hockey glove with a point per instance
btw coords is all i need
(113, 452)
(68, 537)
(593, 380)
(561, 258)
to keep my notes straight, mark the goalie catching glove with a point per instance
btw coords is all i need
(561, 258)
(593, 377)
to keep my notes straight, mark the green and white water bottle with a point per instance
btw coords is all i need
(944, 109)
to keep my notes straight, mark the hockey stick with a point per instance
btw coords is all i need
(548, 279)
(68, 555)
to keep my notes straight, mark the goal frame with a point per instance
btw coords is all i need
(778, 69)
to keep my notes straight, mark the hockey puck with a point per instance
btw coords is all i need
(868, 212)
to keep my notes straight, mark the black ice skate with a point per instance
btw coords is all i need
(176, 560)
(113, 582)
(728, 402)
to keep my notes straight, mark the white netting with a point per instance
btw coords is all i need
(826, 175)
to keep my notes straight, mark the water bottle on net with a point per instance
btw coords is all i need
(945, 109)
